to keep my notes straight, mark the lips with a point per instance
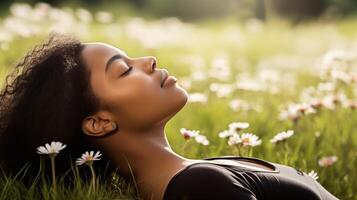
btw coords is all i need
(164, 76)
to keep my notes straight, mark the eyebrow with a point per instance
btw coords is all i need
(116, 56)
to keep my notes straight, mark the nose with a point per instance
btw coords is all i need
(150, 63)
(147, 64)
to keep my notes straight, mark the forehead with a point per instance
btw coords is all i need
(97, 53)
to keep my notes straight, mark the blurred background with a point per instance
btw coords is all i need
(277, 64)
(202, 9)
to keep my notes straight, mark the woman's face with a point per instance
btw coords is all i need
(130, 88)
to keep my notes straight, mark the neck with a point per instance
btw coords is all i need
(145, 156)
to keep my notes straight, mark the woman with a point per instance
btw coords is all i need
(93, 96)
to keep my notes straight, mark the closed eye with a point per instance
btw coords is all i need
(127, 71)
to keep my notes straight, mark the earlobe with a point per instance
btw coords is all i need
(96, 127)
(114, 125)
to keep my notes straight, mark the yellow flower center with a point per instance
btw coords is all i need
(90, 157)
(246, 140)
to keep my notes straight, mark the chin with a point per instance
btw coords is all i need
(177, 103)
(183, 96)
(181, 102)
(184, 92)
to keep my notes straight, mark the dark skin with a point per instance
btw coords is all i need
(137, 104)
(139, 107)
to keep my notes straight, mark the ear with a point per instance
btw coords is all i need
(98, 125)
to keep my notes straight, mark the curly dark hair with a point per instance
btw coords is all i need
(44, 99)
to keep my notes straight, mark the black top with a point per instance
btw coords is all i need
(224, 181)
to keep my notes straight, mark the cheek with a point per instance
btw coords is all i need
(144, 102)
(138, 100)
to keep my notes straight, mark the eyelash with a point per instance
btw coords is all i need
(127, 71)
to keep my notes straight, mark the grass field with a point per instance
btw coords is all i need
(273, 75)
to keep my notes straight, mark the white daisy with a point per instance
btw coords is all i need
(352, 104)
(316, 103)
(51, 149)
(202, 139)
(249, 139)
(313, 175)
(88, 158)
(104, 17)
(234, 139)
(282, 136)
(238, 126)
(237, 105)
(327, 161)
(328, 102)
(302, 107)
(326, 87)
(225, 133)
(220, 67)
(221, 90)
(305, 108)
(187, 134)
(84, 15)
(197, 97)
(291, 113)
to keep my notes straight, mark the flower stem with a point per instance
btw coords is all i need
(184, 147)
(238, 150)
(93, 176)
(250, 154)
(53, 169)
(286, 154)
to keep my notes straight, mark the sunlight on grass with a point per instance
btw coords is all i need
(263, 72)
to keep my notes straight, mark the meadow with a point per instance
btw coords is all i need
(273, 75)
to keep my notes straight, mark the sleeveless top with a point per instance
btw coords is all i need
(220, 181)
